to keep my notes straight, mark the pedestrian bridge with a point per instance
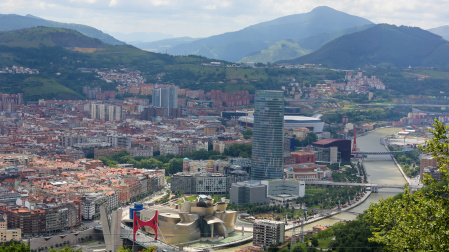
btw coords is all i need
(369, 186)
(376, 152)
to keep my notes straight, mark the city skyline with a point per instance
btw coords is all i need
(206, 18)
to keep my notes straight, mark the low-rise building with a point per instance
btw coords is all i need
(285, 188)
(307, 172)
(199, 183)
(248, 192)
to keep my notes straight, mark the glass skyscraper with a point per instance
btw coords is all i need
(268, 131)
(165, 97)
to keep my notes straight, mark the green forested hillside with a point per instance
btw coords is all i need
(281, 50)
(382, 45)
(58, 54)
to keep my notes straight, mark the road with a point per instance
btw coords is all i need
(150, 199)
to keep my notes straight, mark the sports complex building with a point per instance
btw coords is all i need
(293, 121)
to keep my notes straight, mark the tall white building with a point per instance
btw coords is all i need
(107, 112)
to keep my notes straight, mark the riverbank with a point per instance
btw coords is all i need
(397, 164)
(345, 209)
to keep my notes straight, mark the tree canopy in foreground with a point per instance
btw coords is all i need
(418, 221)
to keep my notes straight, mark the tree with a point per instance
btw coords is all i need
(298, 249)
(314, 241)
(15, 247)
(149, 249)
(352, 236)
(175, 165)
(65, 249)
(248, 133)
(418, 221)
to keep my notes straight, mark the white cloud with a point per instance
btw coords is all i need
(113, 3)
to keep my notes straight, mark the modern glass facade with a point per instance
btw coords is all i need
(165, 97)
(267, 157)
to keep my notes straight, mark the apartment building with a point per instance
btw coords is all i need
(29, 221)
(6, 234)
(266, 233)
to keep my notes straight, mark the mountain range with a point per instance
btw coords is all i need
(233, 46)
(288, 49)
(286, 39)
(381, 45)
(10, 22)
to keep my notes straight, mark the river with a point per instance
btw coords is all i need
(380, 169)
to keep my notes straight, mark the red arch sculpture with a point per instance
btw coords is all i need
(137, 223)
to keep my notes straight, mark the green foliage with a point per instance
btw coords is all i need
(309, 139)
(349, 175)
(51, 51)
(239, 150)
(248, 133)
(14, 247)
(314, 241)
(65, 249)
(353, 236)
(149, 249)
(281, 50)
(418, 221)
(171, 163)
(175, 165)
(298, 249)
(409, 162)
(363, 116)
(406, 81)
(327, 198)
(382, 45)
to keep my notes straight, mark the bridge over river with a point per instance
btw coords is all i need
(370, 186)
(377, 152)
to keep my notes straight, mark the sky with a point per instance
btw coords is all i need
(202, 18)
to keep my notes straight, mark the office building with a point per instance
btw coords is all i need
(165, 97)
(332, 150)
(248, 192)
(267, 156)
(199, 183)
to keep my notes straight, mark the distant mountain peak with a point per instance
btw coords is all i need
(233, 46)
(31, 16)
(323, 8)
